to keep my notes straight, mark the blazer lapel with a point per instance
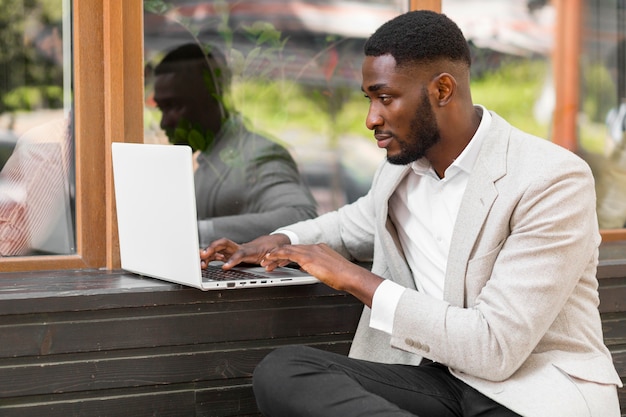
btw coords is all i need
(475, 205)
(394, 255)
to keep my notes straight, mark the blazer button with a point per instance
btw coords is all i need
(416, 344)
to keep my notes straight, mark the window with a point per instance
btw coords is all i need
(107, 104)
(511, 44)
(36, 135)
(533, 67)
(602, 118)
(106, 45)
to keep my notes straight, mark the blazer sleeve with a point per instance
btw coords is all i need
(349, 230)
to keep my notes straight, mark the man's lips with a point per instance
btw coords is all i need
(383, 139)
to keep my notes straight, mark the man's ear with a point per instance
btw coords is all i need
(445, 84)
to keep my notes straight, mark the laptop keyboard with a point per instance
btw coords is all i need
(216, 273)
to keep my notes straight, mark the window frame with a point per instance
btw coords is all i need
(107, 43)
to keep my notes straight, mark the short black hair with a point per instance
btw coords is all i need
(208, 57)
(421, 36)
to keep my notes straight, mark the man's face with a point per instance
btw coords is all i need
(400, 113)
(185, 100)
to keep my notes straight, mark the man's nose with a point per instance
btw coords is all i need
(168, 120)
(373, 119)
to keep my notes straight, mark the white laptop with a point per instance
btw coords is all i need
(156, 217)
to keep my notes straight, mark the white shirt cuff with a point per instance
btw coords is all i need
(384, 303)
(293, 238)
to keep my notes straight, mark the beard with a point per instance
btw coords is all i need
(423, 134)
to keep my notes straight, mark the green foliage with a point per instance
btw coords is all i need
(30, 76)
(261, 33)
(600, 92)
(284, 105)
(511, 90)
(32, 98)
(599, 95)
(193, 135)
(156, 6)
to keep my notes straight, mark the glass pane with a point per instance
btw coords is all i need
(36, 177)
(511, 45)
(295, 76)
(602, 122)
(512, 75)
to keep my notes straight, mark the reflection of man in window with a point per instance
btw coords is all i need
(35, 215)
(246, 185)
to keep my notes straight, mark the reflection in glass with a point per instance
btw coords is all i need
(296, 75)
(246, 185)
(511, 44)
(36, 177)
(603, 113)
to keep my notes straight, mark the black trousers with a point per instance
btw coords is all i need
(300, 381)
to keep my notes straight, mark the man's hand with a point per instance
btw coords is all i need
(328, 266)
(232, 253)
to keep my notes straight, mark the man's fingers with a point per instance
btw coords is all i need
(219, 250)
(232, 253)
(283, 255)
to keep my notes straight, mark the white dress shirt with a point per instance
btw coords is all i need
(424, 209)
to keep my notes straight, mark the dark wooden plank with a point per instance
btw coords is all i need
(67, 333)
(176, 305)
(612, 280)
(613, 251)
(614, 328)
(156, 403)
(228, 401)
(136, 368)
(180, 401)
(619, 359)
(53, 291)
(612, 295)
(612, 268)
(227, 396)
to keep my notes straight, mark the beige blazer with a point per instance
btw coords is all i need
(519, 320)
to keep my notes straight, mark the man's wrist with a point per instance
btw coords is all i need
(291, 236)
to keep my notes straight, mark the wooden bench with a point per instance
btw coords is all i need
(102, 343)
(96, 343)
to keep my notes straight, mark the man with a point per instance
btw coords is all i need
(246, 185)
(482, 298)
